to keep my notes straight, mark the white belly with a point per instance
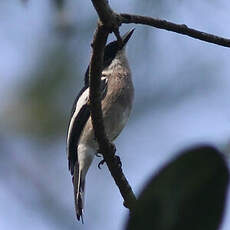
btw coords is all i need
(115, 121)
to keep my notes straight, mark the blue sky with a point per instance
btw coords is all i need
(182, 98)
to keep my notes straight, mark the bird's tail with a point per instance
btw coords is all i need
(79, 187)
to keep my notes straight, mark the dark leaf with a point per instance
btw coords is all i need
(189, 193)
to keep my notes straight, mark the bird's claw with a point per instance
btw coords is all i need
(116, 158)
(118, 161)
(101, 163)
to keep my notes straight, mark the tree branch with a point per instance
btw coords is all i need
(109, 21)
(107, 16)
(181, 29)
(113, 20)
(106, 148)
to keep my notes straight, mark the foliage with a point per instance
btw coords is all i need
(189, 193)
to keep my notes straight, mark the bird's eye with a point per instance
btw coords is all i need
(104, 79)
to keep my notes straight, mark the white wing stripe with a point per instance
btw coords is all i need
(81, 101)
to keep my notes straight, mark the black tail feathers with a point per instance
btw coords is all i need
(79, 187)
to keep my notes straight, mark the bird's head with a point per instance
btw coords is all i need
(111, 50)
(114, 47)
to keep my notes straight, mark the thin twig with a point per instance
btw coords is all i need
(178, 28)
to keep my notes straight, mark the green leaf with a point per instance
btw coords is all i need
(188, 194)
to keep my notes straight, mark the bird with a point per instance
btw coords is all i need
(117, 93)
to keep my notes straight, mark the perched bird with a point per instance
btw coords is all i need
(117, 96)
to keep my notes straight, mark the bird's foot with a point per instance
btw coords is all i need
(113, 150)
(101, 163)
(118, 161)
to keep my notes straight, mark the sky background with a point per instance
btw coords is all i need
(182, 91)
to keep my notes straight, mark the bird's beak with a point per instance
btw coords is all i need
(126, 37)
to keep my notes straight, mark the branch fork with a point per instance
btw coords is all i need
(108, 22)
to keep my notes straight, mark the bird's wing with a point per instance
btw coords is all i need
(79, 117)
